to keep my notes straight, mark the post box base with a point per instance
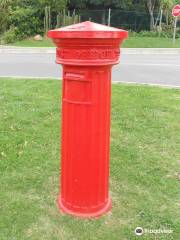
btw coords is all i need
(97, 213)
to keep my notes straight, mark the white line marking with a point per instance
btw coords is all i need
(31, 77)
(151, 64)
(149, 84)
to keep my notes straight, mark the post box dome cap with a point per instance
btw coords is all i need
(87, 30)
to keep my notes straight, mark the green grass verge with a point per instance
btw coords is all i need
(131, 42)
(30, 42)
(151, 42)
(144, 157)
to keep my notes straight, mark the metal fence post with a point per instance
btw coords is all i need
(109, 17)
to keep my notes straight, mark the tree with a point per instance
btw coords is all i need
(5, 3)
(151, 5)
(166, 6)
(99, 4)
(5, 9)
(56, 5)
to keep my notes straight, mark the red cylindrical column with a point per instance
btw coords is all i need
(85, 139)
(87, 52)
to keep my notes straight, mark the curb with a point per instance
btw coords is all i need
(33, 50)
(151, 51)
(52, 50)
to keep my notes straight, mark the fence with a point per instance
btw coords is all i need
(131, 20)
(135, 21)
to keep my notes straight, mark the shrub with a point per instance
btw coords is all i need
(26, 22)
(10, 36)
(143, 34)
(4, 20)
(166, 32)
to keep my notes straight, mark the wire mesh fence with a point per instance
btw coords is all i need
(136, 21)
(132, 20)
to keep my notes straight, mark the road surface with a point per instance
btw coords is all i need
(160, 69)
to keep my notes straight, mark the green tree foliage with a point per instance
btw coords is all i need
(5, 9)
(166, 6)
(22, 18)
(99, 4)
(26, 22)
(56, 5)
(151, 4)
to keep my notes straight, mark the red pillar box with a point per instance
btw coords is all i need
(87, 52)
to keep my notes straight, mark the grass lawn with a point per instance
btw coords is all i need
(151, 42)
(131, 42)
(144, 164)
(30, 42)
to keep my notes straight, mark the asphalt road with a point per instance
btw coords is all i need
(161, 69)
